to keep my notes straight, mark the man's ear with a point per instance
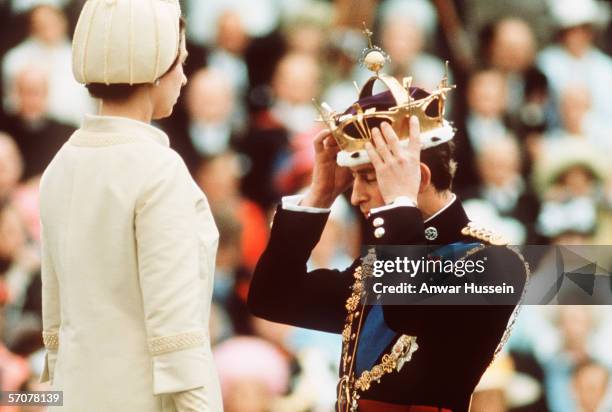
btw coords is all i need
(425, 177)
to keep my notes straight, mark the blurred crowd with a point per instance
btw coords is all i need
(531, 109)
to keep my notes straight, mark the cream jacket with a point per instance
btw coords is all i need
(129, 247)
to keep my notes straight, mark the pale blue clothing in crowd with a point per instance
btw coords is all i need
(593, 70)
(535, 333)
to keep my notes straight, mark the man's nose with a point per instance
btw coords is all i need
(357, 195)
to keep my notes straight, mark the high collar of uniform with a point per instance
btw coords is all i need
(124, 126)
(445, 226)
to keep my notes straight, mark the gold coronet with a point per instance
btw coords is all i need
(352, 131)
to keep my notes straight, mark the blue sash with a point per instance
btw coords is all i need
(375, 335)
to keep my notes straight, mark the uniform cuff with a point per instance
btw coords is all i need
(49, 366)
(293, 203)
(399, 201)
(181, 371)
(400, 225)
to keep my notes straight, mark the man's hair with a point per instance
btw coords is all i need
(123, 91)
(440, 160)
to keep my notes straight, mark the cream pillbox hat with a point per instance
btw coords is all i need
(125, 41)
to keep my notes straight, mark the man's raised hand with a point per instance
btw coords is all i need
(398, 169)
(328, 179)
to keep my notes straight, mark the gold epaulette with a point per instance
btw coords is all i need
(483, 235)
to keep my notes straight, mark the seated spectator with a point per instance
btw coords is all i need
(48, 48)
(562, 338)
(575, 58)
(210, 128)
(13, 29)
(502, 187)
(486, 96)
(19, 267)
(26, 201)
(252, 373)
(502, 388)
(232, 278)
(228, 263)
(294, 85)
(485, 120)
(406, 25)
(21, 6)
(591, 386)
(37, 135)
(577, 119)
(574, 106)
(14, 369)
(509, 45)
(11, 167)
(221, 326)
(307, 29)
(296, 171)
(313, 373)
(227, 55)
(569, 177)
(219, 178)
(576, 326)
(258, 18)
(12, 243)
(24, 338)
(24, 196)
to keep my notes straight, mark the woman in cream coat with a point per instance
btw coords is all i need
(129, 242)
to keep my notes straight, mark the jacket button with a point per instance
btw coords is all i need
(379, 232)
(379, 221)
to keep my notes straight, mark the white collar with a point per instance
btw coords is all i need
(115, 124)
(453, 198)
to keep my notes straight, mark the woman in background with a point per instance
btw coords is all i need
(129, 242)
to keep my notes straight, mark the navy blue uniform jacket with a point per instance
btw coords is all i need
(456, 343)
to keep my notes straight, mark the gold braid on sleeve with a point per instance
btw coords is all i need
(50, 340)
(173, 343)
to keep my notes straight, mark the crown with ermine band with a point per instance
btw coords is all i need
(353, 128)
